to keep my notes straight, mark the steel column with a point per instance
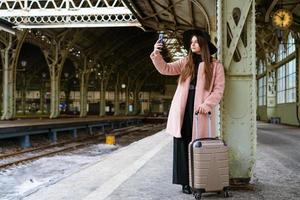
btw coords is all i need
(102, 98)
(127, 97)
(117, 97)
(10, 56)
(7, 82)
(84, 82)
(55, 57)
(238, 109)
(55, 93)
(298, 78)
(271, 92)
(104, 79)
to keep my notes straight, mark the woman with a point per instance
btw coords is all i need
(200, 88)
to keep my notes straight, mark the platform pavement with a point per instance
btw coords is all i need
(143, 171)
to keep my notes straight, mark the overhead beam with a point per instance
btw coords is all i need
(7, 27)
(173, 12)
(270, 8)
(191, 14)
(169, 10)
(66, 14)
(204, 12)
(153, 11)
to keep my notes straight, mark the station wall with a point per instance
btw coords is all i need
(286, 112)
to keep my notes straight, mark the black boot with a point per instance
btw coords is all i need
(186, 189)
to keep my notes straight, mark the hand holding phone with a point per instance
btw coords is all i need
(160, 38)
(159, 44)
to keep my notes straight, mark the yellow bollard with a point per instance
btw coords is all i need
(110, 139)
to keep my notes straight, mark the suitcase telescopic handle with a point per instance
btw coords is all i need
(209, 123)
(191, 146)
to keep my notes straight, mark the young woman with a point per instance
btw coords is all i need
(200, 88)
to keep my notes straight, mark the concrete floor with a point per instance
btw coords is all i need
(283, 142)
(143, 171)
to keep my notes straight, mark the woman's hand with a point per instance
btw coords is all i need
(157, 47)
(202, 110)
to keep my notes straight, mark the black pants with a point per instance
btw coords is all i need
(180, 148)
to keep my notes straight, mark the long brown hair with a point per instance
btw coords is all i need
(206, 58)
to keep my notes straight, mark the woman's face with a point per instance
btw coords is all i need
(195, 46)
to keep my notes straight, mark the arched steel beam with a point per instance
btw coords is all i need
(203, 11)
(270, 8)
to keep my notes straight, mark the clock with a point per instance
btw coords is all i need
(282, 19)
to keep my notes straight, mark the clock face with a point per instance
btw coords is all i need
(282, 19)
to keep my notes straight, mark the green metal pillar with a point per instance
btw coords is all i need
(8, 80)
(127, 97)
(84, 82)
(104, 79)
(83, 97)
(271, 92)
(236, 36)
(297, 41)
(55, 57)
(117, 97)
(10, 56)
(42, 99)
(55, 93)
(136, 106)
(102, 98)
(161, 106)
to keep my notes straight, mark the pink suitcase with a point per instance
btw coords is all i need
(208, 164)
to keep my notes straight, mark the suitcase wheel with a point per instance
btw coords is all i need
(197, 196)
(226, 194)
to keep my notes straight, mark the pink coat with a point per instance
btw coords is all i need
(207, 99)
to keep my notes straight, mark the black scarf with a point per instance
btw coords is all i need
(196, 59)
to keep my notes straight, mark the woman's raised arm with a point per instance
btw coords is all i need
(173, 68)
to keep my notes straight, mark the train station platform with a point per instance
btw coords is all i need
(143, 171)
(24, 128)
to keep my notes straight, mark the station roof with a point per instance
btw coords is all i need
(175, 16)
(127, 49)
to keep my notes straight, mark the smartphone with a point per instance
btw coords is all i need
(160, 38)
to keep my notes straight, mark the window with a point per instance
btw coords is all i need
(281, 52)
(262, 92)
(281, 84)
(261, 67)
(286, 83)
(287, 48)
(290, 47)
(273, 57)
(291, 81)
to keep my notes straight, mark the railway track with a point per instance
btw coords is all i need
(27, 155)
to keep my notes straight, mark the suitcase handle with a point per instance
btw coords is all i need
(215, 138)
(191, 146)
(193, 142)
(209, 124)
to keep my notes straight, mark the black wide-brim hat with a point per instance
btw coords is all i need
(187, 36)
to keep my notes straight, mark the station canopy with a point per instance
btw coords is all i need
(128, 48)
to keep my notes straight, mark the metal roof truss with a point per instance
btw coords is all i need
(66, 13)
